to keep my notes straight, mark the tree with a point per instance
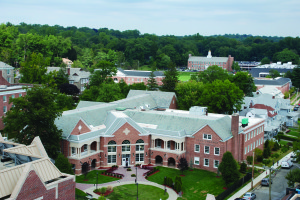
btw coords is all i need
(228, 168)
(292, 177)
(171, 79)
(104, 93)
(69, 89)
(249, 159)
(104, 71)
(265, 60)
(296, 77)
(152, 84)
(235, 66)
(243, 167)
(182, 164)
(34, 69)
(213, 73)
(33, 115)
(245, 82)
(138, 86)
(63, 164)
(274, 73)
(188, 94)
(285, 56)
(222, 97)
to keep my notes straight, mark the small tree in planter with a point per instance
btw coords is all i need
(183, 164)
(103, 190)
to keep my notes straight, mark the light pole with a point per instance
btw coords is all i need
(97, 181)
(137, 191)
(165, 185)
(270, 179)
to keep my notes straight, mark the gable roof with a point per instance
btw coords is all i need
(162, 99)
(207, 60)
(262, 106)
(3, 65)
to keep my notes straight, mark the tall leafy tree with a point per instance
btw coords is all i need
(296, 77)
(213, 73)
(34, 69)
(33, 115)
(182, 164)
(245, 82)
(152, 84)
(222, 97)
(228, 168)
(286, 56)
(171, 79)
(265, 60)
(103, 71)
(63, 164)
(235, 66)
(274, 73)
(292, 177)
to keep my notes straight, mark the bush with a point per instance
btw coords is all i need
(259, 158)
(280, 133)
(285, 148)
(178, 178)
(133, 175)
(137, 165)
(109, 188)
(249, 159)
(285, 137)
(266, 161)
(266, 152)
(129, 169)
(243, 167)
(101, 197)
(169, 181)
(165, 180)
(177, 186)
(275, 155)
(103, 190)
(276, 146)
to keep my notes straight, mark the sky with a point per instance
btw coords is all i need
(162, 17)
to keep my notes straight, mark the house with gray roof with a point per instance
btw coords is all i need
(279, 83)
(137, 76)
(142, 129)
(7, 72)
(201, 63)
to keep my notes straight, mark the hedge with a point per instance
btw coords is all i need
(285, 137)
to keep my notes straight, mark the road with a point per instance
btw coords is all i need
(278, 187)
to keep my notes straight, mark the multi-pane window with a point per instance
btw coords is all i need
(158, 143)
(245, 150)
(12, 96)
(245, 137)
(206, 162)
(4, 98)
(139, 157)
(251, 148)
(217, 151)
(216, 164)
(20, 95)
(196, 160)
(251, 134)
(126, 145)
(253, 145)
(197, 147)
(85, 148)
(112, 146)
(248, 148)
(206, 149)
(8, 71)
(4, 109)
(139, 145)
(83, 80)
(206, 136)
(169, 145)
(111, 159)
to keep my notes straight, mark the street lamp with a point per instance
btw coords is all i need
(97, 181)
(165, 185)
(136, 174)
(137, 191)
(270, 179)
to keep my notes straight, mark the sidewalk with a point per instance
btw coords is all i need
(247, 188)
(127, 179)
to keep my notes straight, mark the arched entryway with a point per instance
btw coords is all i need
(171, 162)
(85, 168)
(158, 160)
(93, 164)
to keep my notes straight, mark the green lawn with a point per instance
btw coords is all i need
(283, 142)
(293, 133)
(185, 76)
(196, 184)
(92, 178)
(145, 192)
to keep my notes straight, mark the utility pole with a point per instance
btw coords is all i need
(252, 170)
(270, 183)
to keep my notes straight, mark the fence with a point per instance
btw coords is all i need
(235, 186)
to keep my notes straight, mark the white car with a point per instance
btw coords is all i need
(249, 196)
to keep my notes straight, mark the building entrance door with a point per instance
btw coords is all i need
(125, 160)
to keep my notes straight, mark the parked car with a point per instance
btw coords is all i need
(286, 164)
(295, 109)
(266, 182)
(238, 199)
(249, 196)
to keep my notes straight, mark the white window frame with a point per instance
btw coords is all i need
(251, 147)
(215, 163)
(206, 159)
(207, 136)
(245, 150)
(254, 145)
(196, 159)
(112, 157)
(158, 141)
(205, 149)
(139, 147)
(198, 147)
(139, 157)
(248, 148)
(4, 99)
(215, 151)
(73, 149)
(245, 137)
(4, 109)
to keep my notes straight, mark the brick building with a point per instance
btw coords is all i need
(282, 84)
(143, 129)
(27, 173)
(200, 63)
(135, 76)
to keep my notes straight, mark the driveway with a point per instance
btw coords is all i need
(278, 187)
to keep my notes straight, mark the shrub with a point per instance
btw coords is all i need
(275, 155)
(101, 197)
(243, 167)
(137, 165)
(165, 180)
(133, 175)
(249, 159)
(285, 137)
(280, 133)
(178, 178)
(169, 181)
(266, 161)
(177, 186)
(109, 188)
(276, 146)
(102, 190)
(129, 169)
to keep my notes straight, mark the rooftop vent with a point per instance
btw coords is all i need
(244, 122)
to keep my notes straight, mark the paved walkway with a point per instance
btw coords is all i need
(124, 181)
(257, 180)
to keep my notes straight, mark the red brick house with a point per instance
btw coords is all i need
(32, 175)
(282, 84)
(137, 130)
(201, 63)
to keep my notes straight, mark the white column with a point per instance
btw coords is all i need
(183, 146)
(179, 147)
(165, 145)
(89, 149)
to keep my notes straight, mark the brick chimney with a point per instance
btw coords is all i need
(273, 97)
(235, 133)
(68, 70)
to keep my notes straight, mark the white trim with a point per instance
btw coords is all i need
(215, 163)
(204, 162)
(215, 151)
(205, 150)
(195, 159)
(195, 148)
